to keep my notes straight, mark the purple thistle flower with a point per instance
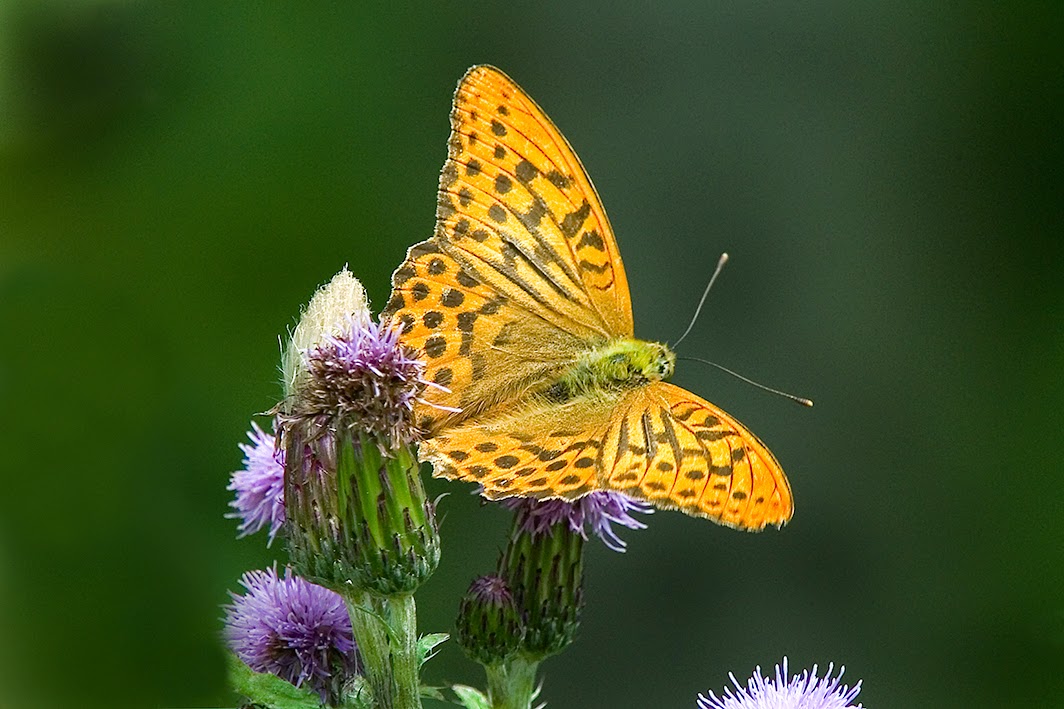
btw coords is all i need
(259, 486)
(356, 508)
(293, 629)
(804, 691)
(363, 377)
(598, 510)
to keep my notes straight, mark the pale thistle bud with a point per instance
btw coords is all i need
(333, 305)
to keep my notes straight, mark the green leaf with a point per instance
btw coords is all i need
(434, 693)
(427, 644)
(471, 697)
(269, 690)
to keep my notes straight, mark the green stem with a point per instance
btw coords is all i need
(512, 685)
(403, 620)
(371, 634)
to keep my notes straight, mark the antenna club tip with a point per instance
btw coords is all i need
(805, 402)
(724, 257)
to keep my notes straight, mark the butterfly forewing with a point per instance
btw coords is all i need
(523, 272)
(513, 176)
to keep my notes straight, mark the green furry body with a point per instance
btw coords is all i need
(617, 365)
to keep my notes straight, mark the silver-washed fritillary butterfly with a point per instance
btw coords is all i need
(520, 306)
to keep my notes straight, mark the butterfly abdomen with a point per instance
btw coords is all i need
(617, 365)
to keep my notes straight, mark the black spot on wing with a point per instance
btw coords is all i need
(525, 171)
(586, 265)
(572, 221)
(592, 240)
(559, 180)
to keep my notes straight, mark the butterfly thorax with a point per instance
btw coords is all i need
(619, 364)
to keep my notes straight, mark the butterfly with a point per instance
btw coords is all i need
(519, 304)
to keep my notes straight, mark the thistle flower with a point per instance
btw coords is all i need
(489, 625)
(363, 379)
(543, 562)
(293, 629)
(598, 510)
(259, 486)
(804, 691)
(356, 505)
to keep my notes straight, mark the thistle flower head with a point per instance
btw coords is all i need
(598, 510)
(804, 691)
(293, 629)
(356, 508)
(364, 379)
(259, 486)
(345, 373)
(490, 589)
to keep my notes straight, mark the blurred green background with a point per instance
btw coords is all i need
(177, 178)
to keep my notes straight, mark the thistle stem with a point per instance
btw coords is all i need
(403, 617)
(512, 685)
(373, 645)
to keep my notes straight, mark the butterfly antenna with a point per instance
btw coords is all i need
(720, 264)
(796, 399)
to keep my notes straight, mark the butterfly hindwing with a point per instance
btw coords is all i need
(659, 443)
(678, 451)
(544, 450)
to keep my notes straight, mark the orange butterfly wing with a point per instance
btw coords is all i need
(543, 450)
(658, 443)
(481, 348)
(511, 172)
(523, 272)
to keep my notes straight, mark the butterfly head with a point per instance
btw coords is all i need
(655, 361)
(638, 361)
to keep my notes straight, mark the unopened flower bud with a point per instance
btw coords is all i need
(544, 570)
(328, 312)
(489, 626)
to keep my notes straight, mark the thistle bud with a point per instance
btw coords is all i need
(543, 565)
(357, 513)
(489, 626)
(336, 302)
